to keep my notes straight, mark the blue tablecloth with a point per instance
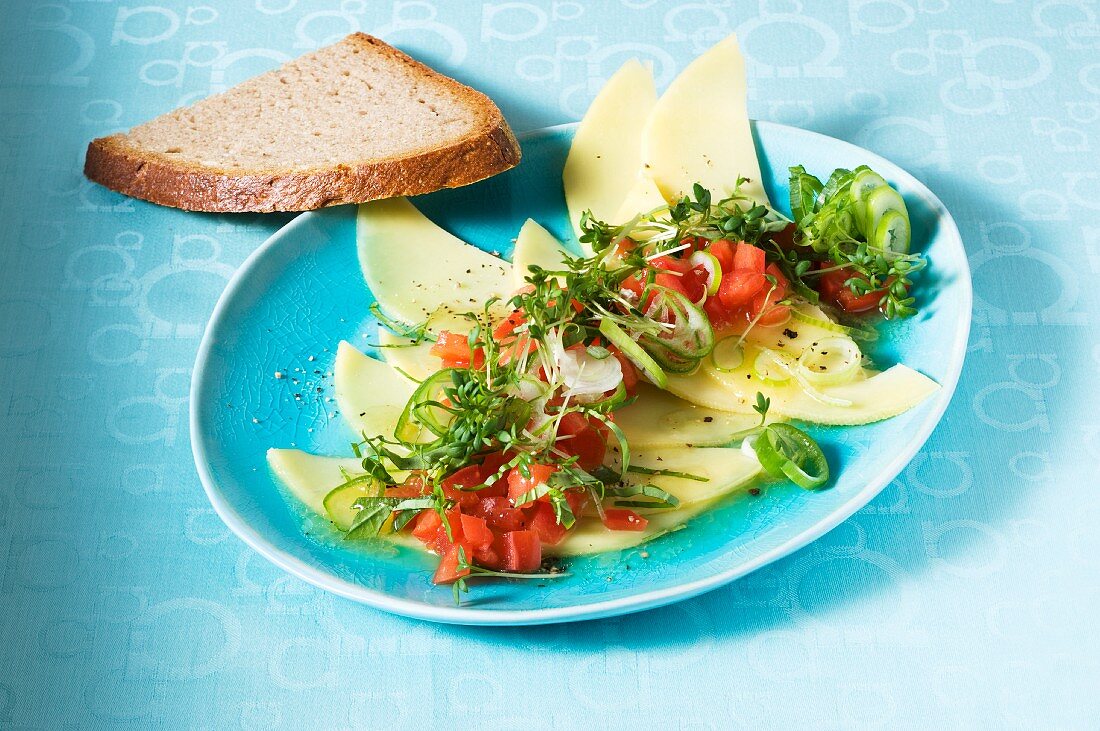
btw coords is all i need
(965, 595)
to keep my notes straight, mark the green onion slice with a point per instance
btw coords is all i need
(786, 451)
(423, 409)
(771, 367)
(611, 330)
(728, 354)
(830, 361)
(713, 267)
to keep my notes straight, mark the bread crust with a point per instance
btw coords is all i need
(156, 177)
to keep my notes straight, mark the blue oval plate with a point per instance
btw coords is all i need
(300, 293)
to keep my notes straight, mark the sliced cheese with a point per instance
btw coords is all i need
(643, 197)
(724, 469)
(699, 130)
(370, 394)
(535, 246)
(700, 390)
(659, 419)
(794, 336)
(412, 360)
(727, 470)
(605, 156)
(416, 270)
(873, 396)
(310, 477)
(590, 536)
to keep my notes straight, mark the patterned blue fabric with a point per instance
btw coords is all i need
(963, 596)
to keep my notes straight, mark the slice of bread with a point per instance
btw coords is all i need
(352, 122)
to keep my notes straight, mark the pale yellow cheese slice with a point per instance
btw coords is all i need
(605, 156)
(535, 246)
(873, 396)
(724, 468)
(416, 270)
(370, 394)
(659, 419)
(590, 536)
(310, 477)
(698, 132)
(643, 197)
(414, 361)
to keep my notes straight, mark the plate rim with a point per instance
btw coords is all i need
(611, 607)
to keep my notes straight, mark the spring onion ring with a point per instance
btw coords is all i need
(710, 263)
(830, 361)
(728, 354)
(618, 337)
(771, 367)
(786, 451)
(825, 324)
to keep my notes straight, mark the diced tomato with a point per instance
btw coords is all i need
(447, 572)
(739, 287)
(585, 441)
(454, 350)
(634, 284)
(492, 464)
(722, 250)
(764, 302)
(630, 371)
(475, 531)
(518, 484)
(516, 347)
(488, 470)
(572, 423)
(697, 243)
(545, 523)
(833, 288)
(589, 446)
(404, 491)
(749, 258)
(426, 525)
(781, 283)
(717, 313)
(625, 246)
(681, 276)
(451, 345)
(513, 345)
(776, 315)
(695, 283)
(671, 264)
(522, 551)
(785, 238)
(623, 519)
(860, 303)
(490, 557)
(509, 324)
(468, 476)
(500, 514)
(453, 518)
(675, 282)
(414, 486)
(829, 284)
(578, 501)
